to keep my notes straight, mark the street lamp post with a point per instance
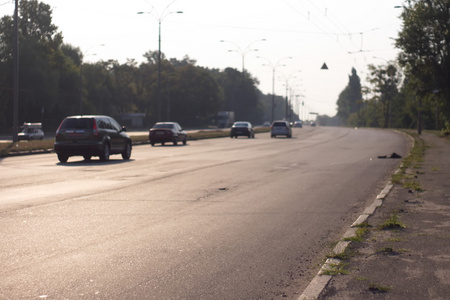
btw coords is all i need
(15, 128)
(274, 67)
(160, 18)
(244, 51)
(287, 78)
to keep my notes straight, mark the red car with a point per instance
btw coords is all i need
(167, 132)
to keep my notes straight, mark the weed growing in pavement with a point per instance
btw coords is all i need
(394, 240)
(413, 185)
(376, 288)
(359, 235)
(391, 251)
(392, 223)
(344, 255)
(336, 269)
(362, 278)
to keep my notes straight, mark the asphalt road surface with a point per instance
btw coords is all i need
(215, 219)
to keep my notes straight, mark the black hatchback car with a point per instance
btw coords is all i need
(91, 136)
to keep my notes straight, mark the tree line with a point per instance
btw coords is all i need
(412, 91)
(55, 83)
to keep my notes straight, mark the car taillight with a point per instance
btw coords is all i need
(59, 127)
(95, 129)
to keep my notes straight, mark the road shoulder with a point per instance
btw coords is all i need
(404, 263)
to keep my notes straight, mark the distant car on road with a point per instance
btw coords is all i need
(280, 128)
(298, 124)
(91, 136)
(167, 132)
(242, 128)
(266, 124)
(31, 131)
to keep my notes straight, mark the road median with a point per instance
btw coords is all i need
(46, 145)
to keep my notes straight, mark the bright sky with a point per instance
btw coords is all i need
(300, 35)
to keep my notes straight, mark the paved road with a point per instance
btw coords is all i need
(215, 219)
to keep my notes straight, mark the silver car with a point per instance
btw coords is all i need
(280, 128)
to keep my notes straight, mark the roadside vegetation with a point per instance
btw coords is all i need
(359, 234)
(55, 82)
(334, 269)
(410, 91)
(405, 175)
(392, 223)
(377, 288)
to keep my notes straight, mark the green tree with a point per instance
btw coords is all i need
(385, 80)
(196, 96)
(46, 73)
(425, 44)
(350, 99)
(240, 94)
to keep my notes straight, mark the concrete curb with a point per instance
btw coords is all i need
(320, 281)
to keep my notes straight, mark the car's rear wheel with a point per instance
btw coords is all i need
(126, 154)
(106, 153)
(162, 143)
(175, 142)
(87, 157)
(185, 140)
(63, 158)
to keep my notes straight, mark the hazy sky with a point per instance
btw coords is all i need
(341, 33)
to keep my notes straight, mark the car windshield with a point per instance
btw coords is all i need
(169, 126)
(240, 125)
(78, 123)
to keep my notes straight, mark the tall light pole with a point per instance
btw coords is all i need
(160, 18)
(287, 78)
(244, 51)
(15, 128)
(274, 67)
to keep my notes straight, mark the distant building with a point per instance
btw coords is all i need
(134, 120)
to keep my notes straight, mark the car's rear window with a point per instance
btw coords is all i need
(78, 123)
(169, 126)
(241, 125)
(279, 124)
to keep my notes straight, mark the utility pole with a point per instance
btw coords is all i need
(15, 128)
